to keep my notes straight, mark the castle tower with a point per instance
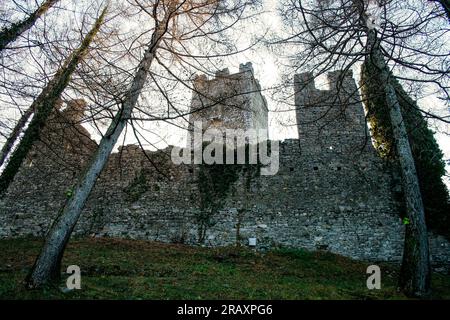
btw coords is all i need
(330, 119)
(75, 110)
(229, 101)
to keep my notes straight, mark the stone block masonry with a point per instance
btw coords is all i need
(229, 101)
(332, 191)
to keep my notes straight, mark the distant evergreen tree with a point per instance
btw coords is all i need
(428, 157)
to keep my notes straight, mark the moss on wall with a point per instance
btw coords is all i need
(427, 155)
(136, 188)
(214, 184)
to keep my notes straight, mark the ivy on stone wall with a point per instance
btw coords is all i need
(136, 188)
(427, 155)
(214, 184)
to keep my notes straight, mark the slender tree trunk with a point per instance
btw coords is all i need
(10, 34)
(47, 266)
(15, 134)
(13, 137)
(43, 106)
(415, 271)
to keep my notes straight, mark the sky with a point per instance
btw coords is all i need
(267, 71)
(282, 124)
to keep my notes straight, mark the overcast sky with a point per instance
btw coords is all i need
(267, 70)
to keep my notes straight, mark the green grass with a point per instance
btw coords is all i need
(131, 269)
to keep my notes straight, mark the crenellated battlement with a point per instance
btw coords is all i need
(229, 101)
(331, 118)
(332, 192)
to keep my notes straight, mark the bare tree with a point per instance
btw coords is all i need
(11, 33)
(6, 149)
(341, 35)
(415, 277)
(175, 23)
(42, 108)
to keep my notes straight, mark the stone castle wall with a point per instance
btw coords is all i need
(322, 198)
(229, 101)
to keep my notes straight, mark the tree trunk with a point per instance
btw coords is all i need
(10, 34)
(415, 271)
(43, 106)
(15, 134)
(47, 266)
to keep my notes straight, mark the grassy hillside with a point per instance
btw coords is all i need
(130, 269)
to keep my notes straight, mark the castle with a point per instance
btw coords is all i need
(332, 191)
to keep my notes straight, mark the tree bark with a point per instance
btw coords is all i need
(47, 266)
(415, 271)
(10, 34)
(6, 149)
(44, 104)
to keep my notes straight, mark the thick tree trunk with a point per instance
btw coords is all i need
(43, 106)
(415, 272)
(10, 34)
(47, 266)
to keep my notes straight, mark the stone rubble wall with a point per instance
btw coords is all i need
(229, 101)
(321, 198)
